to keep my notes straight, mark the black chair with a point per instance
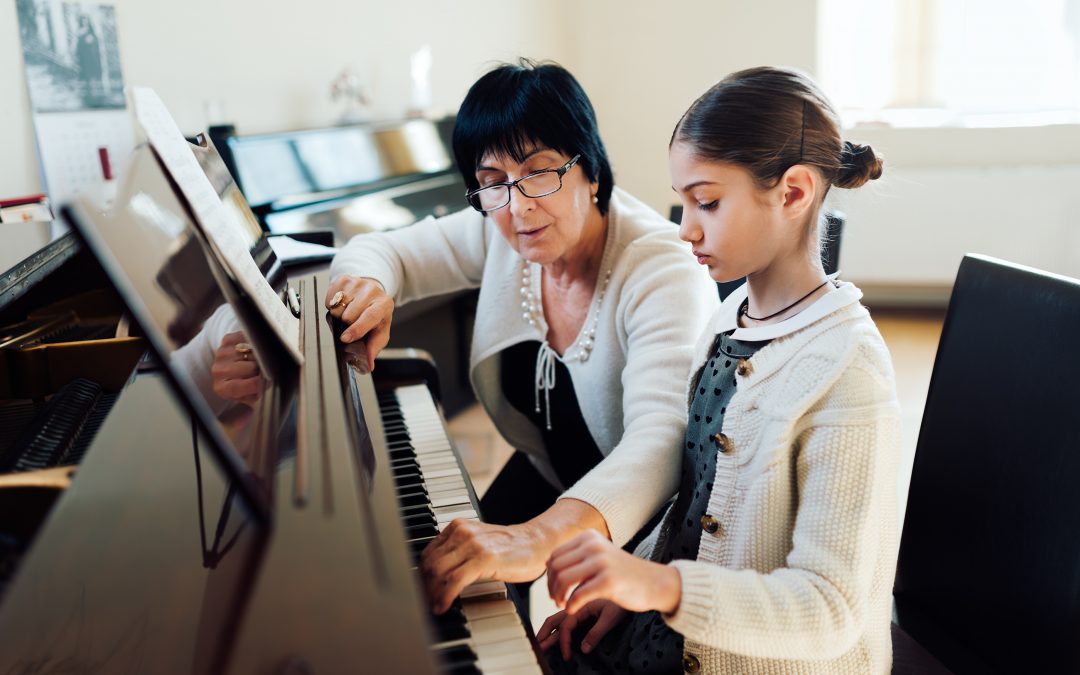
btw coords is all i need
(988, 578)
(830, 254)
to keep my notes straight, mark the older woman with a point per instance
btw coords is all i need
(588, 310)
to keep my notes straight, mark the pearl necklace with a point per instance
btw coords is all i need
(531, 312)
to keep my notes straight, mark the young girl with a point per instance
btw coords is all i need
(779, 552)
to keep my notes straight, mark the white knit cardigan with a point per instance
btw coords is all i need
(798, 578)
(630, 389)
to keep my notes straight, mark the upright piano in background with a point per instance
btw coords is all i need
(151, 551)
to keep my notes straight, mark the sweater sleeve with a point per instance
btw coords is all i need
(434, 256)
(815, 606)
(667, 302)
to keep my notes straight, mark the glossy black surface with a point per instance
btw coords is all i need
(989, 560)
(177, 293)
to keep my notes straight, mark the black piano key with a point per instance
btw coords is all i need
(408, 509)
(421, 532)
(404, 466)
(409, 477)
(457, 659)
(413, 499)
(417, 514)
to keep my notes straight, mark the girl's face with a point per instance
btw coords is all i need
(542, 229)
(735, 228)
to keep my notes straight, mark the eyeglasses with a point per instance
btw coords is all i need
(534, 185)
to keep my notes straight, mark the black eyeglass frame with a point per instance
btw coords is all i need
(561, 171)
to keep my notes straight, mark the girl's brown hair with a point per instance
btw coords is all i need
(766, 120)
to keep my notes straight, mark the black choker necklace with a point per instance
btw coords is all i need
(744, 310)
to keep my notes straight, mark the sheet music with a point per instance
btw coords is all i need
(214, 219)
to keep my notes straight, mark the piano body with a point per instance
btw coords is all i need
(202, 535)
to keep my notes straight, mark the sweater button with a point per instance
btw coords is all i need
(690, 663)
(710, 524)
(743, 368)
(724, 443)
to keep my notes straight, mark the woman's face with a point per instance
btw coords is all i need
(734, 227)
(542, 229)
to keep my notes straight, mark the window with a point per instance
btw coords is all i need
(975, 63)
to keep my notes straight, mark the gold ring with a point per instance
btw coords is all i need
(337, 300)
(244, 350)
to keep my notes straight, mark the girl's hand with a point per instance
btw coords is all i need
(594, 568)
(560, 626)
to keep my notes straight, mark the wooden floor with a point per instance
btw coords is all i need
(912, 338)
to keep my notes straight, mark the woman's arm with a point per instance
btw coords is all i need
(666, 305)
(376, 271)
(434, 256)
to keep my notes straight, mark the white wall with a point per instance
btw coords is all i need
(643, 66)
(268, 64)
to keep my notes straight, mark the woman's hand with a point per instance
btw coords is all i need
(468, 551)
(362, 305)
(589, 567)
(560, 626)
(235, 372)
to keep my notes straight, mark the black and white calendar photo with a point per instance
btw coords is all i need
(72, 56)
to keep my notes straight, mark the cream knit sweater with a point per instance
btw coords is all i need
(657, 301)
(798, 579)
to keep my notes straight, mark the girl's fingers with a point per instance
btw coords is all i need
(548, 634)
(609, 616)
(567, 578)
(566, 632)
(595, 588)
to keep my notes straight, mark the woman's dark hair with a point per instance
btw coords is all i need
(768, 119)
(515, 107)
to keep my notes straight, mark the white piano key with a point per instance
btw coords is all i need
(508, 654)
(482, 609)
(484, 590)
(496, 628)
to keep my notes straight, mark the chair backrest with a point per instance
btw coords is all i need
(830, 253)
(989, 569)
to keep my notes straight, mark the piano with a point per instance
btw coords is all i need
(200, 534)
(327, 185)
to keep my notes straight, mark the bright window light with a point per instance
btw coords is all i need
(976, 63)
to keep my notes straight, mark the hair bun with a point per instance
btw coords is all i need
(858, 164)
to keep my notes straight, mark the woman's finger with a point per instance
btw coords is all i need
(233, 338)
(362, 318)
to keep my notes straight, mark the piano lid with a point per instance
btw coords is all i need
(218, 352)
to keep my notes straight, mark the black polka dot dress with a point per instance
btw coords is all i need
(644, 643)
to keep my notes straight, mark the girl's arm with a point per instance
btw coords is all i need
(816, 606)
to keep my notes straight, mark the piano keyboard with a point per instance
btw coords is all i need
(481, 632)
